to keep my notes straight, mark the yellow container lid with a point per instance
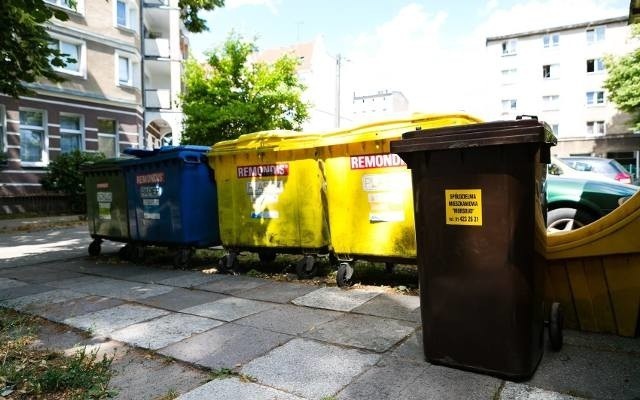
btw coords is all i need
(273, 140)
(393, 128)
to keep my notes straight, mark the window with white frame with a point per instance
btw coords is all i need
(127, 70)
(107, 137)
(74, 49)
(550, 71)
(551, 40)
(595, 128)
(595, 97)
(509, 75)
(595, 65)
(33, 137)
(509, 105)
(78, 6)
(126, 14)
(550, 102)
(509, 47)
(71, 132)
(555, 128)
(595, 34)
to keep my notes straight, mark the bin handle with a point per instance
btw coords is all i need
(191, 159)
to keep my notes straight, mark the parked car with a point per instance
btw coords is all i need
(598, 165)
(573, 202)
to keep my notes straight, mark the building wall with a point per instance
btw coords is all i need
(378, 105)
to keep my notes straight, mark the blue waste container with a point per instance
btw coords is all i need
(172, 201)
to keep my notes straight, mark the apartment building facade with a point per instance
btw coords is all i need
(127, 55)
(558, 75)
(383, 103)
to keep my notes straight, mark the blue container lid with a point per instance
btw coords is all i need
(187, 153)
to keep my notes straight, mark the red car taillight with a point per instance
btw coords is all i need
(623, 177)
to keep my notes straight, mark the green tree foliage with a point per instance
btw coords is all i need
(189, 11)
(25, 51)
(228, 96)
(64, 175)
(623, 82)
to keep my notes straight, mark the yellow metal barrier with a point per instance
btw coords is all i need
(594, 272)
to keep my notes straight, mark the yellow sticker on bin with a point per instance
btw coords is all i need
(463, 206)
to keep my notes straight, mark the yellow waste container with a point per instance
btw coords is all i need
(271, 197)
(369, 191)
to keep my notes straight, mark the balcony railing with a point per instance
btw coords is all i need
(156, 48)
(157, 98)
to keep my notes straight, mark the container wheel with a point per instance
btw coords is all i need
(306, 267)
(345, 272)
(267, 256)
(125, 252)
(389, 267)
(137, 253)
(182, 258)
(556, 322)
(94, 247)
(228, 262)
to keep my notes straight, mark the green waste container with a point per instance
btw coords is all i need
(107, 207)
(479, 196)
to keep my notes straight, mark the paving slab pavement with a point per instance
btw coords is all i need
(295, 341)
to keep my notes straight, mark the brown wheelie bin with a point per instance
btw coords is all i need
(479, 195)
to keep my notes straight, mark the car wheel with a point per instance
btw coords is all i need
(567, 219)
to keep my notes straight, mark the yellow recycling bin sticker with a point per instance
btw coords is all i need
(463, 206)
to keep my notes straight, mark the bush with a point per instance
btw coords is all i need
(64, 176)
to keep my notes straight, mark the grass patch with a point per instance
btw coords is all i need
(225, 373)
(27, 372)
(170, 395)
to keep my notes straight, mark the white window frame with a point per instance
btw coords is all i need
(134, 70)
(509, 47)
(113, 135)
(593, 128)
(82, 55)
(64, 4)
(551, 102)
(554, 71)
(509, 106)
(593, 34)
(551, 40)
(66, 131)
(595, 95)
(509, 76)
(131, 15)
(597, 62)
(555, 127)
(44, 156)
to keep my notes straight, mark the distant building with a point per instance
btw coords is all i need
(382, 104)
(318, 71)
(558, 74)
(122, 91)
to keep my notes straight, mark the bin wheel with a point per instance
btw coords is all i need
(125, 252)
(306, 267)
(182, 258)
(94, 247)
(345, 272)
(267, 256)
(389, 267)
(137, 253)
(556, 322)
(228, 262)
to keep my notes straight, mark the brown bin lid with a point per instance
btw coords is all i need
(476, 135)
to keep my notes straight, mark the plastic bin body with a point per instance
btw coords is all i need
(271, 193)
(480, 213)
(107, 209)
(369, 189)
(172, 198)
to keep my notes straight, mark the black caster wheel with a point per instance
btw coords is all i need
(94, 247)
(556, 323)
(137, 253)
(125, 252)
(306, 268)
(345, 272)
(267, 256)
(389, 267)
(182, 258)
(228, 262)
